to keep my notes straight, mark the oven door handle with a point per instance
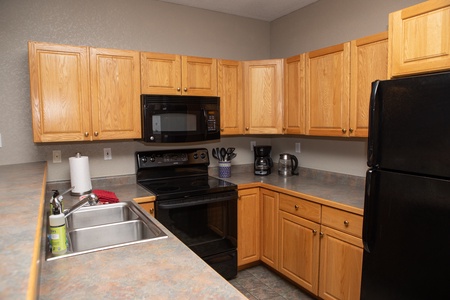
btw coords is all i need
(195, 201)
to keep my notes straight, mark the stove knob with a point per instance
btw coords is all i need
(195, 156)
(152, 158)
(203, 156)
(144, 159)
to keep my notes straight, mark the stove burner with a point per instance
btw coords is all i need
(167, 188)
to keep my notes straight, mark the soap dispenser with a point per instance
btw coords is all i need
(57, 222)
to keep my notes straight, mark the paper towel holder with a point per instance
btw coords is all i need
(80, 177)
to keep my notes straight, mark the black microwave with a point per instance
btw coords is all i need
(178, 119)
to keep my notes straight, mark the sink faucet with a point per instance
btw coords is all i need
(92, 199)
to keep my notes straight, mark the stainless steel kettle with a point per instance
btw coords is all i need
(287, 165)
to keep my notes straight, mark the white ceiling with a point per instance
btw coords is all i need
(266, 10)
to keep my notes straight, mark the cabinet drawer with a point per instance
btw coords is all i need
(300, 207)
(342, 220)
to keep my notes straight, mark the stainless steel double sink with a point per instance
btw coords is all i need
(101, 227)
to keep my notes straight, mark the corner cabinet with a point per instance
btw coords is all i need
(231, 98)
(83, 94)
(248, 226)
(172, 74)
(294, 95)
(419, 38)
(263, 96)
(328, 90)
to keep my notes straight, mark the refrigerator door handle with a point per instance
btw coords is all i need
(369, 220)
(374, 119)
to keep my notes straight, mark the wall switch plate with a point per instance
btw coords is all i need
(297, 148)
(56, 156)
(252, 145)
(107, 154)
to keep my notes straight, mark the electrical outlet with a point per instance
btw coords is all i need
(56, 156)
(107, 154)
(252, 145)
(297, 148)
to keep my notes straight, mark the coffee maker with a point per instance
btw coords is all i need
(263, 161)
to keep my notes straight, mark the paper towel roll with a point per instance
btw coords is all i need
(80, 176)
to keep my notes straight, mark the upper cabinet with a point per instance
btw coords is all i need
(231, 99)
(369, 62)
(419, 38)
(294, 95)
(263, 96)
(71, 87)
(172, 74)
(327, 90)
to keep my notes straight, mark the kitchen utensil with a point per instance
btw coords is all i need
(223, 154)
(231, 156)
(287, 165)
(214, 154)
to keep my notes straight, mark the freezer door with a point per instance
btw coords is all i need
(409, 127)
(406, 234)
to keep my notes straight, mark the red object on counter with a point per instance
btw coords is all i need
(106, 196)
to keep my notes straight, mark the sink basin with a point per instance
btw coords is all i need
(102, 227)
(101, 214)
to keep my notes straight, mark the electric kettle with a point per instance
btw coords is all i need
(287, 165)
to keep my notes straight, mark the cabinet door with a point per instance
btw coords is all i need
(419, 38)
(230, 93)
(328, 91)
(340, 265)
(248, 226)
(294, 95)
(299, 250)
(269, 227)
(263, 96)
(148, 207)
(59, 89)
(160, 73)
(115, 94)
(369, 61)
(199, 76)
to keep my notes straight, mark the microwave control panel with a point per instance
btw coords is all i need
(212, 120)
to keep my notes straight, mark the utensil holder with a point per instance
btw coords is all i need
(225, 169)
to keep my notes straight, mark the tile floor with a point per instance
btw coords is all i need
(259, 282)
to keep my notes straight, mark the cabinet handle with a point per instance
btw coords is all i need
(96, 133)
(351, 130)
(152, 210)
(346, 223)
(178, 89)
(344, 130)
(221, 129)
(185, 89)
(86, 134)
(246, 128)
(321, 234)
(314, 232)
(296, 207)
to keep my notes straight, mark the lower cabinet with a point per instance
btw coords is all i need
(316, 246)
(249, 238)
(147, 204)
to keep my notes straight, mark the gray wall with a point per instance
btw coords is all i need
(155, 26)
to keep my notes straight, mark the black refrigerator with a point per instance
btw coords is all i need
(406, 227)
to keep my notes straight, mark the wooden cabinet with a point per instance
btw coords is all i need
(115, 94)
(294, 95)
(249, 222)
(328, 90)
(59, 89)
(369, 62)
(419, 38)
(341, 252)
(299, 241)
(263, 96)
(269, 227)
(231, 97)
(83, 94)
(147, 204)
(172, 74)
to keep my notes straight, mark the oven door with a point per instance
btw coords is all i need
(207, 224)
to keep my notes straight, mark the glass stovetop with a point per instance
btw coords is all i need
(186, 186)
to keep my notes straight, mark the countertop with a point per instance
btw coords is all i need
(165, 269)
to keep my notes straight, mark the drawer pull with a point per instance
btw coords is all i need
(314, 232)
(296, 207)
(346, 223)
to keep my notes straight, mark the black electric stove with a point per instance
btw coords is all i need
(198, 209)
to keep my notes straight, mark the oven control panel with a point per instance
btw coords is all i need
(165, 158)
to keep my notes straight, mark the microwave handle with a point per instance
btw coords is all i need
(205, 123)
